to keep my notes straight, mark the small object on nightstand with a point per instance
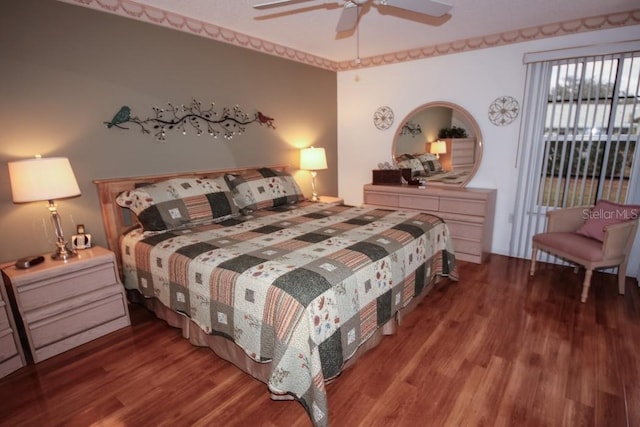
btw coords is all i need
(81, 240)
(28, 262)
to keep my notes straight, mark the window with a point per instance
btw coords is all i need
(579, 134)
(590, 130)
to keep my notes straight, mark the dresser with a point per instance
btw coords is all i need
(63, 304)
(469, 212)
(460, 155)
(11, 354)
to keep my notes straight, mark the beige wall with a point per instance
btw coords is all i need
(65, 70)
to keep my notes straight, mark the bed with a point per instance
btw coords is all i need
(427, 168)
(290, 291)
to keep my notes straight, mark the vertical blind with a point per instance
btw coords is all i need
(579, 137)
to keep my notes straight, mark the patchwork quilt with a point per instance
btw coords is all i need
(301, 286)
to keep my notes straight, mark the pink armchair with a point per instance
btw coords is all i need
(565, 237)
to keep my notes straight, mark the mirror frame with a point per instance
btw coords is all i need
(473, 129)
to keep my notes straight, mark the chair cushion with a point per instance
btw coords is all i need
(606, 213)
(572, 244)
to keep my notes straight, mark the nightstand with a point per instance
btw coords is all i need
(63, 304)
(11, 355)
(331, 199)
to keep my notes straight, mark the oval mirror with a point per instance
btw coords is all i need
(441, 143)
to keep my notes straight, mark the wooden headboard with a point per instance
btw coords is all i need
(118, 220)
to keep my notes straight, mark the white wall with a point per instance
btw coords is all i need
(472, 80)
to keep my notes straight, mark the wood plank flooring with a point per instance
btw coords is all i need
(496, 348)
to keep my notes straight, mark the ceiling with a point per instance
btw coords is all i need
(308, 27)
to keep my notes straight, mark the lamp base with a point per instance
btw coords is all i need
(63, 254)
(314, 194)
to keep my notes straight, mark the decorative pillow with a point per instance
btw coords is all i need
(178, 202)
(430, 162)
(264, 188)
(606, 213)
(410, 162)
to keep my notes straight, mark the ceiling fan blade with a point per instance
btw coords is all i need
(426, 7)
(276, 3)
(348, 18)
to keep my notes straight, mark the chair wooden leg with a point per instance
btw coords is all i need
(534, 255)
(585, 285)
(622, 277)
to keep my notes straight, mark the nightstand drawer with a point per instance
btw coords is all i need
(60, 288)
(71, 322)
(4, 319)
(7, 345)
(65, 304)
(381, 199)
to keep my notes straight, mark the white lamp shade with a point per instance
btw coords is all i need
(42, 179)
(313, 159)
(438, 147)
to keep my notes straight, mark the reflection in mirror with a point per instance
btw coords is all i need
(441, 143)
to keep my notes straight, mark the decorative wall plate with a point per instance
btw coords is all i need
(503, 110)
(383, 118)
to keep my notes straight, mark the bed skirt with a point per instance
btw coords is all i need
(231, 352)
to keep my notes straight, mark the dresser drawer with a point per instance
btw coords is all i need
(463, 206)
(467, 246)
(63, 287)
(423, 203)
(77, 320)
(463, 159)
(390, 200)
(466, 230)
(468, 212)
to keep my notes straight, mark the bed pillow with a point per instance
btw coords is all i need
(410, 162)
(179, 202)
(263, 188)
(606, 213)
(430, 162)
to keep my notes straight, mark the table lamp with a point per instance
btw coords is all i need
(48, 178)
(313, 159)
(438, 147)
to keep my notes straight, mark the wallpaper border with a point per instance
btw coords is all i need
(140, 12)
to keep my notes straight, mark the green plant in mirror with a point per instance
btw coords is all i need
(452, 132)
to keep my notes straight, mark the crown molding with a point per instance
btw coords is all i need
(149, 14)
(613, 20)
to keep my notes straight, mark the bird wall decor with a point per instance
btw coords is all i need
(226, 123)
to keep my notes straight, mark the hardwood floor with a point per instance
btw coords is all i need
(496, 348)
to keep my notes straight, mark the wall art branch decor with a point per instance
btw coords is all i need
(411, 128)
(225, 123)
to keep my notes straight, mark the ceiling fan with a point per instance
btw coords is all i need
(351, 9)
